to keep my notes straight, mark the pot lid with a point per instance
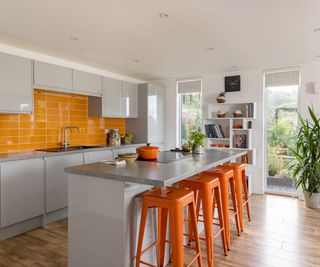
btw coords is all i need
(148, 147)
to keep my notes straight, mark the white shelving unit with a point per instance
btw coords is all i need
(237, 131)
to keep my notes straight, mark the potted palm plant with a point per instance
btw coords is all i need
(305, 168)
(196, 140)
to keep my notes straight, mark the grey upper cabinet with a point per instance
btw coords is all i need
(87, 83)
(15, 84)
(52, 76)
(57, 180)
(129, 100)
(22, 190)
(111, 97)
(119, 99)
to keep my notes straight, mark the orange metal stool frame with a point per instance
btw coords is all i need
(239, 170)
(226, 177)
(205, 187)
(169, 201)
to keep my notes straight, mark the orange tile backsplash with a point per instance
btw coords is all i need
(52, 111)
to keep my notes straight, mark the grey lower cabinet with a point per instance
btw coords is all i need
(95, 156)
(22, 190)
(57, 179)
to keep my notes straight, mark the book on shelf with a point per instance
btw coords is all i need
(214, 131)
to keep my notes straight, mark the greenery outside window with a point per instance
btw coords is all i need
(189, 109)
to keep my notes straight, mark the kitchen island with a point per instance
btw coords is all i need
(104, 205)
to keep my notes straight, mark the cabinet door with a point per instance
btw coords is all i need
(57, 180)
(129, 100)
(87, 83)
(96, 156)
(111, 97)
(54, 76)
(22, 190)
(15, 84)
(155, 114)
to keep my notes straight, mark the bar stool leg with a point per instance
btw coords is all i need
(207, 218)
(176, 235)
(194, 223)
(236, 216)
(225, 208)
(190, 228)
(143, 220)
(238, 187)
(246, 194)
(217, 197)
(162, 235)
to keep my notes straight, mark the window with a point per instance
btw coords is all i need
(282, 90)
(189, 109)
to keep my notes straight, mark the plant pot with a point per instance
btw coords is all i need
(221, 99)
(196, 149)
(312, 201)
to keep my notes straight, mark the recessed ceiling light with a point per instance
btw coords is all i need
(136, 60)
(209, 48)
(318, 56)
(316, 30)
(164, 15)
(171, 73)
(74, 38)
(234, 67)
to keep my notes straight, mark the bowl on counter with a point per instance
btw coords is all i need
(128, 157)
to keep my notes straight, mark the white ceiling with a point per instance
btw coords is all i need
(112, 33)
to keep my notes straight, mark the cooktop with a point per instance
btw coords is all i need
(169, 156)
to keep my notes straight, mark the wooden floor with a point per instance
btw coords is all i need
(282, 233)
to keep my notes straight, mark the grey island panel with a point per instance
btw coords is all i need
(157, 174)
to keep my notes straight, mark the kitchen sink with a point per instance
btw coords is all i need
(69, 148)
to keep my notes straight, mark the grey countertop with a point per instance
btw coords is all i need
(157, 174)
(12, 156)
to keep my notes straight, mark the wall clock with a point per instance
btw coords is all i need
(232, 83)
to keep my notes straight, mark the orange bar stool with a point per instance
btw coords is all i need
(239, 170)
(205, 187)
(226, 177)
(169, 201)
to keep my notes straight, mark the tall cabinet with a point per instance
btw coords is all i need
(149, 126)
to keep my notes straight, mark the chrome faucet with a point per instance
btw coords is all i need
(65, 142)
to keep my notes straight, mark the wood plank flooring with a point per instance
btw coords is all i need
(282, 233)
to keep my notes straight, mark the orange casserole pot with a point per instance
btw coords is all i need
(148, 152)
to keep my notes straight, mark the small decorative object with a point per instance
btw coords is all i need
(186, 147)
(305, 168)
(114, 139)
(196, 140)
(249, 124)
(237, 114)
(232, 83)
(126, 139)
(240, 141)
(226, 145)
(221, 98)
(221, 114)
(237, 126)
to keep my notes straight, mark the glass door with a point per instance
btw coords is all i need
(282, 118)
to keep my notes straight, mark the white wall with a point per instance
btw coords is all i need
(251, 91)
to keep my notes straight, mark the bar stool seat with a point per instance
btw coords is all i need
(239, 170)
(169, 201)
(226, 177)
(208, 190)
